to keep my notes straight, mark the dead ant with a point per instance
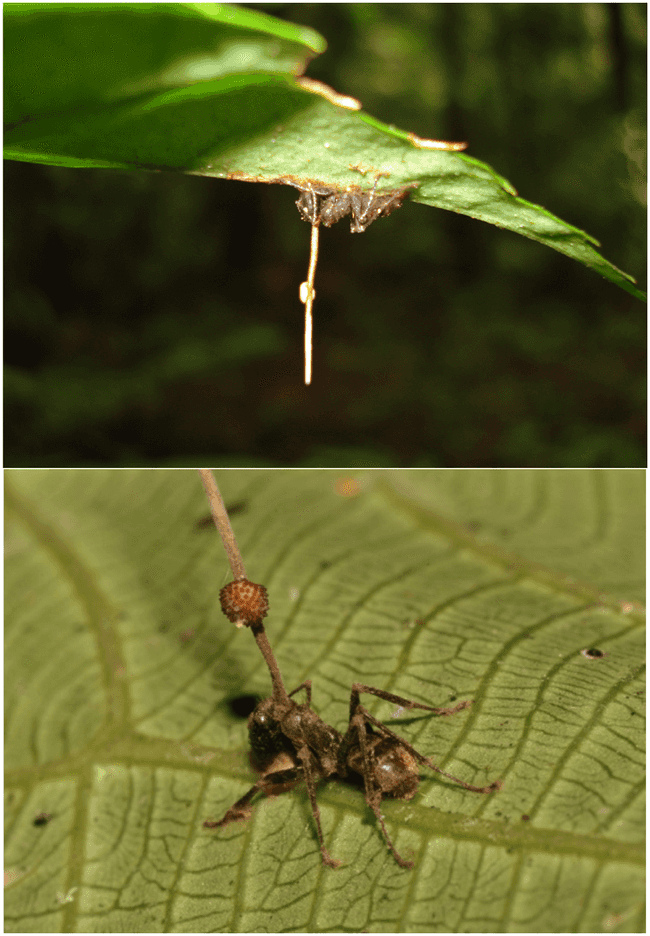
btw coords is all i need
(290, 742)
(320, 204)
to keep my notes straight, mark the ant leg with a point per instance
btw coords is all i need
(359, 204)
(354, 698)
(372, 790)
(242, 809)
(305, 756)
(358, 688)
(307, 687)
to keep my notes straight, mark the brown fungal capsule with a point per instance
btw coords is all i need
(244, 603)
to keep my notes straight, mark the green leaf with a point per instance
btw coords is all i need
(112, 83)
(484, 585)
(210, 89)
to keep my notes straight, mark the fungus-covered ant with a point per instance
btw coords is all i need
(290, 742)
(320, 204)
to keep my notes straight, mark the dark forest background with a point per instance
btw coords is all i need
(153, 318)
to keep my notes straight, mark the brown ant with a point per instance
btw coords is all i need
(290, 742)
(320, 204)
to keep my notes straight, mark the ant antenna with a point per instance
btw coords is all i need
(243, 602)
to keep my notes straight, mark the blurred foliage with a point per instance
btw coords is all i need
(153, 318)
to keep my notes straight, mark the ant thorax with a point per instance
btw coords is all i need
(275, 729)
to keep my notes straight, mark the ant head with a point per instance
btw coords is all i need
(308, 205)
(266, 737)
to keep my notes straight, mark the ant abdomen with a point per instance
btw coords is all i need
(395, 769)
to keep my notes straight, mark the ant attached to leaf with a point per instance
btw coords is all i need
(324, 205)
(291, 743)
(320, 204)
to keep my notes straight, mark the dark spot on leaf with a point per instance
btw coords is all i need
(243, 705)
(42, 819)
(593, 653)
(525, 818)
(204, 523)
(238, 507)
(207, 523)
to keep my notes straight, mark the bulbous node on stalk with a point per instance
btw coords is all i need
(244, 603)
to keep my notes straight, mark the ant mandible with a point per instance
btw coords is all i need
(290, 742)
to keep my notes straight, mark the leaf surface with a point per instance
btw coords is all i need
(210, 89)
(518, 590)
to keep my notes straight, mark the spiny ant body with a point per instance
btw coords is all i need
(291, 743)
(319, 204)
